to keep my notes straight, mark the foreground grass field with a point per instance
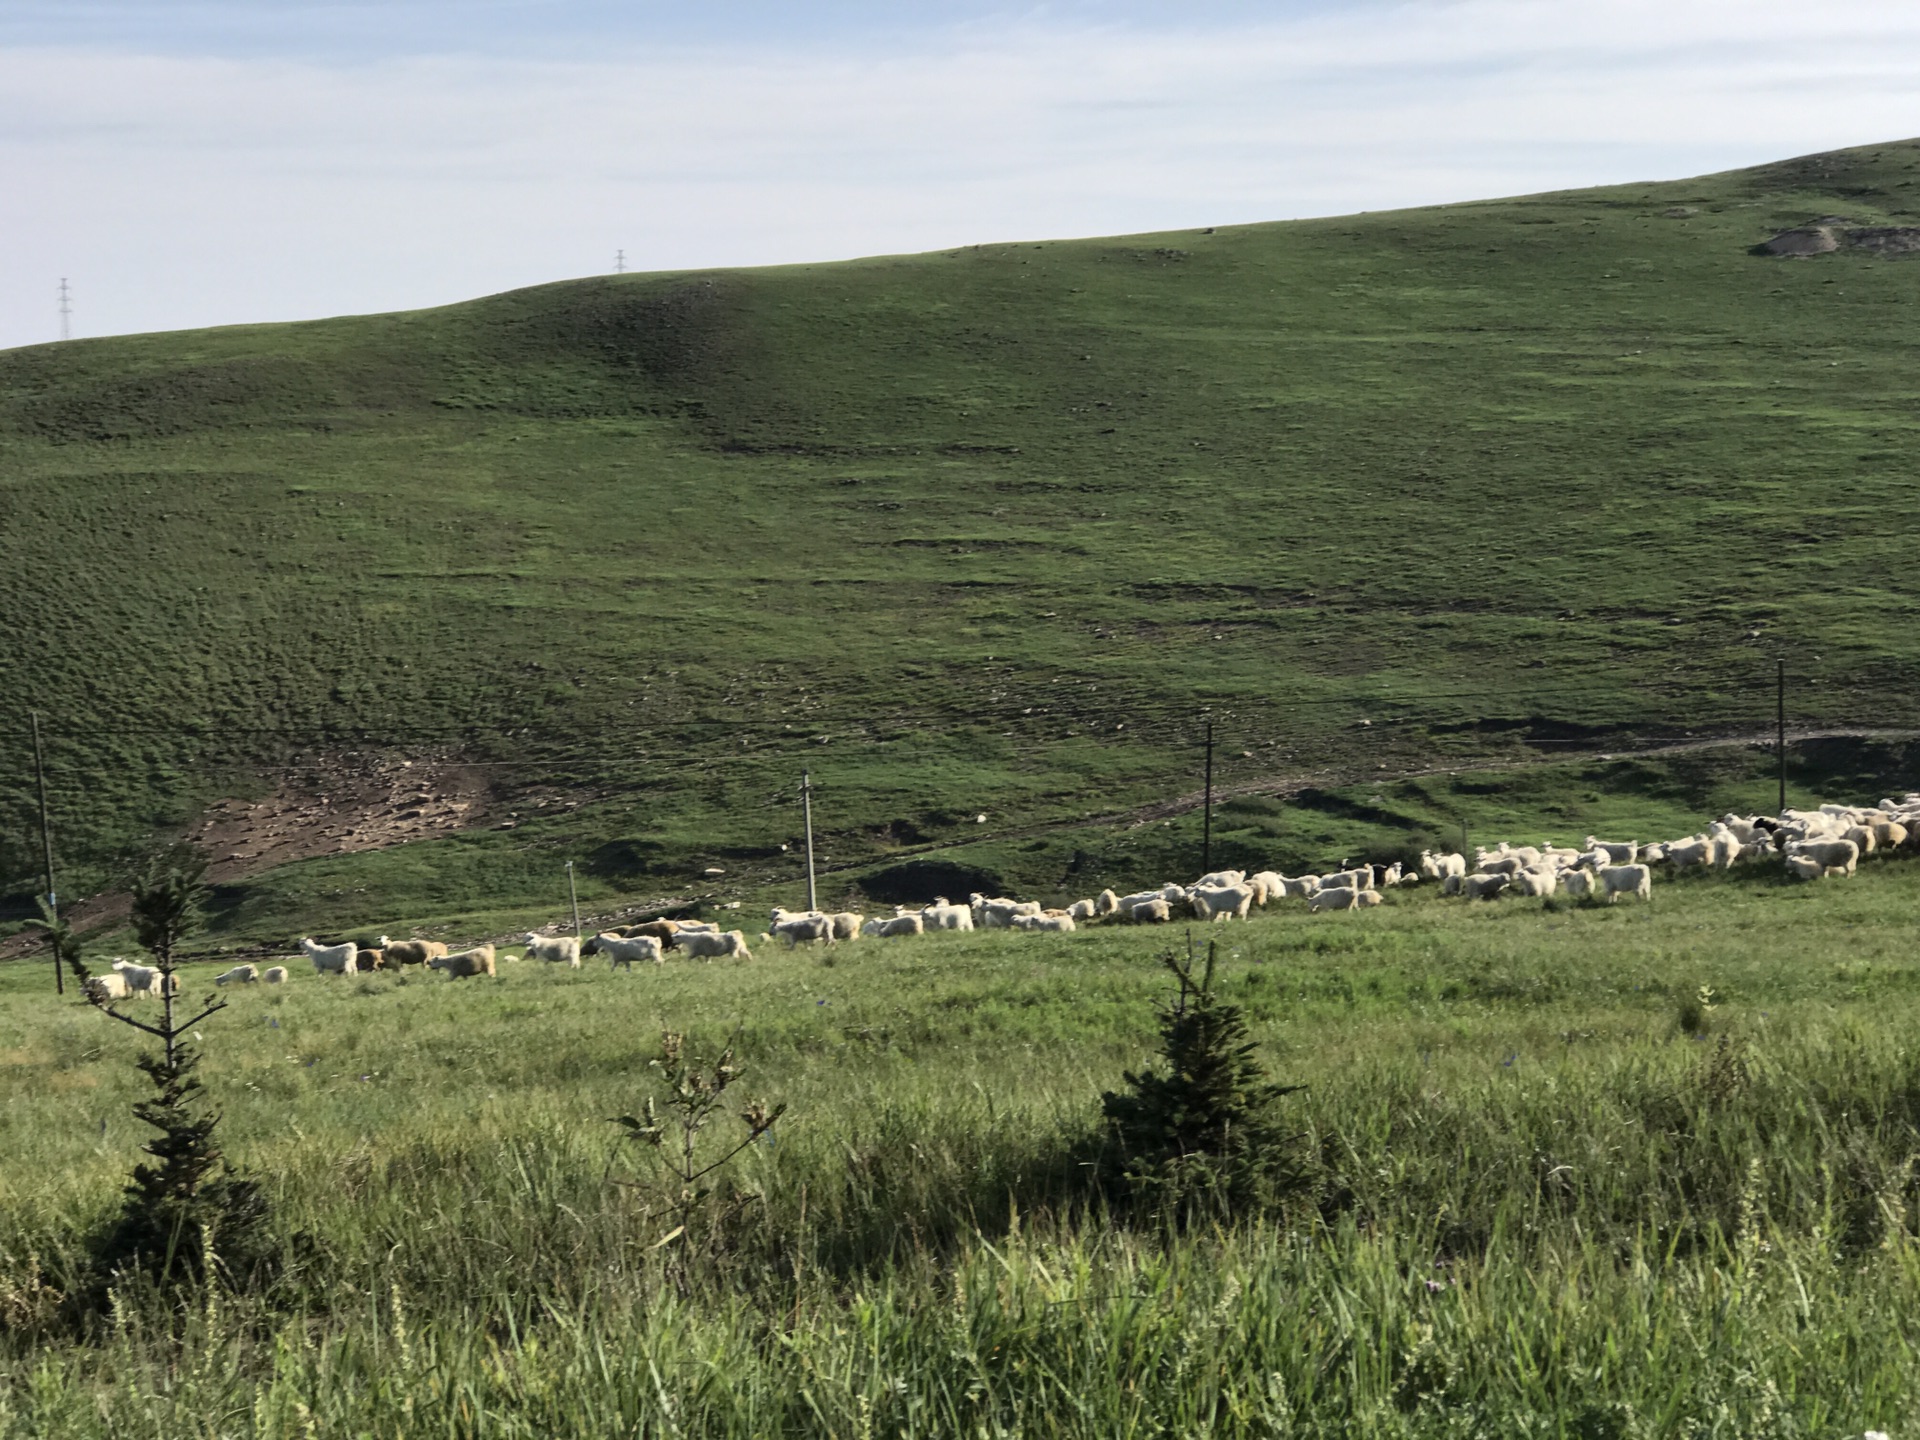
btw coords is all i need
(987, 531)
(1543, 1208)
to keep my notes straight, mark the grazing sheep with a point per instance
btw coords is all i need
(622, 951)
(901, 924)
(464, 963)
(1618, 852)
(1220, 902)
(1805, 867)
(369, 960)
(1267, 885)
(1299, 888)
(555, 950)
(1222, 877)
(411, 952)
(794, 928)
(1105, 903)
(846, 925)
(1059, 924)
(102, 988)
(1537, 882)
(1367, 899)
(944, 916)
(998, 914)
(1083, 910)
(1334, 897)
(1151, 912)
(330, 959)
(238, 975)
(706, 945)
(1698, 850)
(1579, 883)
(1841, 855)
(1359, 878)
(1626, 880)
(1440, 866)
(274, 975)
(1485, 886)
(144, 979)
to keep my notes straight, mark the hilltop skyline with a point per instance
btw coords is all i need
(217, 162)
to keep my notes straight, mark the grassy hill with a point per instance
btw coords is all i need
(989, 531)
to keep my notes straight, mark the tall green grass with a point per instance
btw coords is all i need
(1542, 1206)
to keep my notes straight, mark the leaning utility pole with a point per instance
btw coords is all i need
(806, 811)
(1206, 830)
(46, 841)
(1780, 733)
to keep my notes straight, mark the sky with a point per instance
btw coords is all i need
(184, 163)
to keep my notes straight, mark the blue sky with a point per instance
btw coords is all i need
(229, 161)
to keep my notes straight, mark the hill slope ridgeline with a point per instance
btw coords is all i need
(977, 531)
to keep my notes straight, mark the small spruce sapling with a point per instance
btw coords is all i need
(188, 1217)
(694, 1097)
(1202, 1135)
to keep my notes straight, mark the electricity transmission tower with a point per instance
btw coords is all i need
(619, 262)
(66, 310)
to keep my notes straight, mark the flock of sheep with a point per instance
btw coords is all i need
(1811, 844)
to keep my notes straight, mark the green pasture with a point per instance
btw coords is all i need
(991, 530)
(1542, 1206)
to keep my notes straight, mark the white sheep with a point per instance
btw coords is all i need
(705, 945)
(622, 951)
(1336, 897)
(1059, 924)
(465, 963)
(1440, 866)
(111, 986)
(330, 959)
(238, 975)
(1626, 880)
(1220, 902)
(144, 979)
(555, 950)
(1618, 852)
(1485, 886)
(942, 915)
(901, 924)
(274, 975)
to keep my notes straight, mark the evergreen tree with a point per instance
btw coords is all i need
(1202, 1134)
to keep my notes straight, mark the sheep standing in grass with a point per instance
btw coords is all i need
(144, 979)
(901, 924)
(1334, 897)
(111, 986)
(330, 959)
(274, 975)
(238, 975)
(704, 945)
(477, 961)
(1059, 924)
(622, 951)
(555, 950)
(411, 952)
(941, 915)
(1220, 902)
(1618, 880)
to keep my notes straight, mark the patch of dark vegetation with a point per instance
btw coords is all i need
(1329, 802)
(628, 859)
(920, 882)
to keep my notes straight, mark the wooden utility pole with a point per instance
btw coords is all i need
(573, 898)
(46, 845)
(1780, 733)
(806, 811)
(1206, 830)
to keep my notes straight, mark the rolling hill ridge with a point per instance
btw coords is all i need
(987, 531)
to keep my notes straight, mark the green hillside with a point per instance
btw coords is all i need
(986, 531)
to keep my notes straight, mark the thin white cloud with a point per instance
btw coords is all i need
(180, 191)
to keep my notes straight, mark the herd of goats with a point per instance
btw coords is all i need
(1810, 844)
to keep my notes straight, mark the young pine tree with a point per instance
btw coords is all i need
(1201, 1136)
(187, 1217)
